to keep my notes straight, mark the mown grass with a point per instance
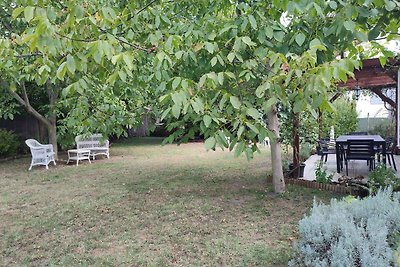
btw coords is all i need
(149, 205)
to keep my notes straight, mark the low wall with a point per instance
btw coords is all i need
(335, 188)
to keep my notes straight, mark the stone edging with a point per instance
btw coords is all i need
(336, 188)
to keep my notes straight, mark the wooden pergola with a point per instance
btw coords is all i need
(372, 76)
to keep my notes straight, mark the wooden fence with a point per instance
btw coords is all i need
(26, 127)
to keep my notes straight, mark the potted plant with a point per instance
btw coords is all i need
(304, 154)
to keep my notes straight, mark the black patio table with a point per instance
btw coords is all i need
(342, 141)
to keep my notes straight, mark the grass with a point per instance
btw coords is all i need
(149, 205)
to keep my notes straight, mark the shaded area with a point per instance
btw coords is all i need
(149, 206)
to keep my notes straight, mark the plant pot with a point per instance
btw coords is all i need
(301, 170)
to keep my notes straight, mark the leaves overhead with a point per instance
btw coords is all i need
(206, 67)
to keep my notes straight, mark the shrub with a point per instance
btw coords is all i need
(9, 144)
(382, 177)
(385, 128)
(305, 151)
(320, 174)
(350, 233)
(343, 119)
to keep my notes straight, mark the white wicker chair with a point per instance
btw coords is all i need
(41, 154)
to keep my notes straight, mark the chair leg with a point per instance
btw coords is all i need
(30, 167)
(326, 158)
(388, 159)
(347, 168)
(394, 163)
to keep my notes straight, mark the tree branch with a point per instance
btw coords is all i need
(384, 37)
(7, 26)
(17, 97)
(104, 31)
(25, 95)
(125, 42)
(29, 55)
(76, 39)
(27, 106)
(336, 96)
(146, 6)
(137, 13)
(383, 97)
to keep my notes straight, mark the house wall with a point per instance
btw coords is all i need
(371, 106)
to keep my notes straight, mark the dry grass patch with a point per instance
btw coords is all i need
(149, 205)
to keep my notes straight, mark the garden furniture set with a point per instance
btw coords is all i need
(86, 147)
(357, 146)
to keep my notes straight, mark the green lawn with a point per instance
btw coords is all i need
(149, 205)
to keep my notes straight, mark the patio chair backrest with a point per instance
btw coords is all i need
(32, 143)
(323, 144)
(358, 133)
(360, 149)
(389, 145)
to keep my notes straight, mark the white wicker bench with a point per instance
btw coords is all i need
(95, 143)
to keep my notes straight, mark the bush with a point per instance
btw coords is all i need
(385, 129)
(343, 118)
(350, 233)
(305, 151)
(320, 174)
(382, 177)
(9, 144)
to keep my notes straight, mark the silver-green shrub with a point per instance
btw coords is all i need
(350, 233)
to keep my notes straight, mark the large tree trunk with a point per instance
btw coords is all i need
(52, 128)
(278, 181)
(52, 131)
(51, 122)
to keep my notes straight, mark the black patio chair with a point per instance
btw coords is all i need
(324, 149)
(360, 150)
(389, 153)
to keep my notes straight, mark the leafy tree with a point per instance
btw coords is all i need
(221, 68)
(343, 117)
(72, 53)
(247, 61)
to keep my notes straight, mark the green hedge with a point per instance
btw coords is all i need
(9, 143)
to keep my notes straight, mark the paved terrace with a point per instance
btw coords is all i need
(356, 167)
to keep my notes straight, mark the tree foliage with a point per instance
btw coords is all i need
(344, 117)
(214, 68)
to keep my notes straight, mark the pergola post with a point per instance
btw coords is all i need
(398, 108)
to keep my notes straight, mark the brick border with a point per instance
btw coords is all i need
(336, 188)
